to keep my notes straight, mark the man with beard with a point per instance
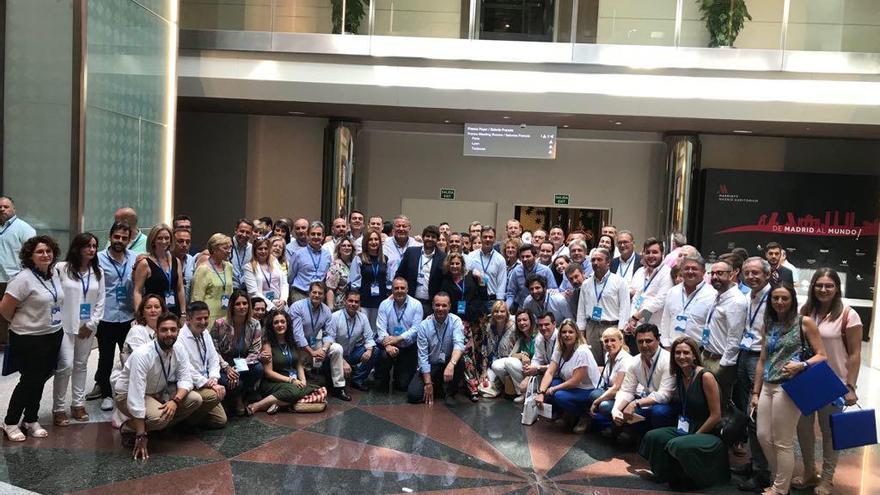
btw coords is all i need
(517, 290)
(649, 287)
(154, 389)
(422, 267)
(205, 364)
(117, 265)
(577, 250)
(540, 302)
(724, 328)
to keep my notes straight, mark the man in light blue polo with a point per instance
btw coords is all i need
(309, 264)
(491, 264)
(13, 232)
(242, 251)
(517, 290)
(350, 329)
(540, 302)
(396, 325)
(138, 242)
(440, 340)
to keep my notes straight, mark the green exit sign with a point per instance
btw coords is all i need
(560, 199)
(447, 193)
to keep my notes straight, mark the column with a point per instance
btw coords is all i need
(678, 213)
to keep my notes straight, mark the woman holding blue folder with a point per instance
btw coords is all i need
(791, 345)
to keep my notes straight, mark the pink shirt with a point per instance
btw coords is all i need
(832, 336)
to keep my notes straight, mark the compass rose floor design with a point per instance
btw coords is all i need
(375, 444)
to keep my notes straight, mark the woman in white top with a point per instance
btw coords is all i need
(263, 276)
(602, 398)
(841, 330)
(32, 305)
(83, 286)
(571, 376)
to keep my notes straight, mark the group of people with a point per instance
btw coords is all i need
(644, 346)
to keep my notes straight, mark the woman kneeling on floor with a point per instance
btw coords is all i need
(691, 455)
(570, 378)
(284, 379)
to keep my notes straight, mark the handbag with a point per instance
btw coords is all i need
(530, 407)
(732, 428)
(851, 429)
(10, 362)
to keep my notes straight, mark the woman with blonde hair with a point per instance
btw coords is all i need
(508, 353)
(279, 251)
(263, 276)
(159, 272)
(510, 250)
(212, 282)
(601, 400)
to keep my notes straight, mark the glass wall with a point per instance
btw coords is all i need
(834, 25)
(37, 113)
(126, 112)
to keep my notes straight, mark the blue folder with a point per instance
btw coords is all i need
(851, 429)
(814, 388)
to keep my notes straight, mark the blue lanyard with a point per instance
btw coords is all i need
(400, 314)
(313, 319)
(684, 392)
(753, 315)
(222, 279)
(239, 258)
(316, 264)
(443, 335)
(119, 274)
(423, 265)
(374, 267)
(483, 263)
(712, 311)
(267, 279)
(460, 286)
(648, 282)
(53, 291)
(693, 296)
(400, 251)
(350, 324)
(653, 367)
(168, 273)
(203, 351)
(11, 221)
(606, 372)
(287, 355)
(628, 265)
(239, 350)
(162, 363)
(596, 287)
(85, 282)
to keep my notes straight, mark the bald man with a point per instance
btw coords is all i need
(138, 243)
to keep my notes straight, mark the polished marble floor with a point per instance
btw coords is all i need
(375, 444)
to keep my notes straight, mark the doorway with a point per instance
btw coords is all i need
(590, 220)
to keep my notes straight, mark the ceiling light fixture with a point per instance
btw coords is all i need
(741, 131)
(296, 113)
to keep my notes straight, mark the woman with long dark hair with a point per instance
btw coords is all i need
(238, 340)
(32, 305)
(339, 274)
(841, 330)
(369, 275)
(788, 343)
(83, 285)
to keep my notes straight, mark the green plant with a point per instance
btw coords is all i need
(354, 14)
(724, 20)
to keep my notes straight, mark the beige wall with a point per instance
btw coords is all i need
(597, 170)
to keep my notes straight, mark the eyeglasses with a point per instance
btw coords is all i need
(825, 286)
(719, 273)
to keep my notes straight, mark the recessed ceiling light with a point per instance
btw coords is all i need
(296, 113)
(808, 128)
(565, 125)
(446, 121)
(618, 123)
(741, 131)
(506, 117)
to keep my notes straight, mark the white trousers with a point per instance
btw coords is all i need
(337, 373)
(73, 361)
(509, 366)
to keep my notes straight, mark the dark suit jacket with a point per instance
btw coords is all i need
(409, 269)
(636, 264)
(785, 275)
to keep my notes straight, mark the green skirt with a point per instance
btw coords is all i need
(285, 392)
(695, 461)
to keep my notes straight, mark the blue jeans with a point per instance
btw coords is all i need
(247, 380)
(602, 419)
(574, 401)
(359, 370)
(656, 416)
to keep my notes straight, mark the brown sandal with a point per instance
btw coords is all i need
(60, 419)
(79, 413)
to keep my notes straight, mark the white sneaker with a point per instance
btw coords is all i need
(107, 404)
(35, 430)
(519, 399)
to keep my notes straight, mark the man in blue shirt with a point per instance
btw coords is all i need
(117, 266)
(540, 302)
(350, 330)
(396, 333)
(300, 237)
(242, 251)
(309, 264)
(308, 318)
(577, 250)
(517, 291)
(491, 264)
(13, 232)
(440, 340)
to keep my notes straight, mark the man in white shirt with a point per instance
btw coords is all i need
(338, 231)
(356, 230)
(205, 364)
(647, 388)
(650, 283)
(604, 303)
(350, 329)
(154, 389)
(545, 343)
(756, 274)
(557, 237)
(395, 246)
(687, 305)
(627, 262)
(491, 265)
(540, 301)
(724, 328)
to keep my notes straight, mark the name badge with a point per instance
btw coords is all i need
(240, 364)
(684, 426)
(55, 315)
(705, 340)
(597, 313)
(681, 320)
(270, 295)
(460, 307)
(85, 311)
(313, 340)
(224, 301)
(121, 293)
(421, 278)
(169, 299)
(398, 331)
(374, 289)
(639, 301)
(748, 340)
(292, 374)
(442, 357)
